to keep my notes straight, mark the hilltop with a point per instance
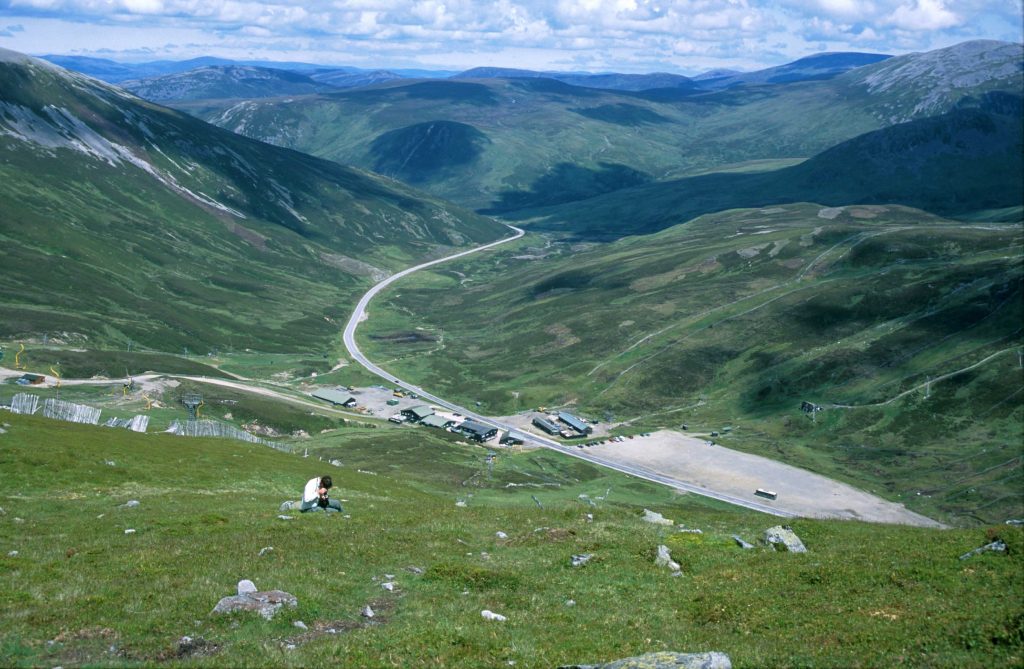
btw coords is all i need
(177, 234)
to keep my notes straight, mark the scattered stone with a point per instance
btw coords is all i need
(590, 517)
(460, 503)
(12, 554)
(741, 543)
(491, 615)
(1014, 521)
(245, 586)
(389, 577)
(415, 570)
(266, 603)
(582, 559)
(570, 602)
(4, 513)
(129, 531)
(785, 536)
(194, 647)
(285, 506)
(289, 646)
(265, 550)
(3, 431)
(501, 535)
(656, 518)
(130, 504)
(389, 586)
(19, 520)
(100, 516)
(301, 625)
(284, 517)
(367, 612)
(110, 463)
(336, 463)
(664, 559)
(484, 555)
(686, 530)
(998, 546)
(663, 660)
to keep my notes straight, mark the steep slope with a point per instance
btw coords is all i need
(224, 82)
(122, 220)
(906, 328)
(963, 163)
(818, 66)
(546, 138)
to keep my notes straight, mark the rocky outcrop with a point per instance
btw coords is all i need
(784, 536)
(266, 603)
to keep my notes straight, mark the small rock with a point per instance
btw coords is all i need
(685, 530)
(12, 554)
(265, 550)
(245, 586)
(590, 517)
(741, 543)
(389, 577)
(289, 646)
(285, 506)
(664, 559)
(415, 570)
(129, 531)
(100, 516)
(999, 546)
(491, 615)
(570, 602)
(284, 517)
(389, 586)
(301, 625)
(130, 504)
(4, 513)
(367, 612)
(501, 535)
(484, 555)
(19, 520)
(1012, 521)
(582, 559)
(460, 503)
(110, 463)
(336, 463)
(266, 603)
(784, 536)
(656, 518)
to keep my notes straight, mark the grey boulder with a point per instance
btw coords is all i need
(266, 603)
(663, 660)
(784, 536)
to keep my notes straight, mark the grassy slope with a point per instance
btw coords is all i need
(208, 507)
(956, 164)
(103, 249)
(735, 319)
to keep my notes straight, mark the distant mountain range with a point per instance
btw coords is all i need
(523, 142)
(124, 220)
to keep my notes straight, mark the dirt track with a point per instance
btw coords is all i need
(717, 468)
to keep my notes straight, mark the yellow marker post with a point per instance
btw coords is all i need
(56, 375)
(17, 358)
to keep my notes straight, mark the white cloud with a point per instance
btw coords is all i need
(923, 15)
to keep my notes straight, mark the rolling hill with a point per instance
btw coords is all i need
(224, 82)
(734, 319)
(125, 221)
(544, 140)
(964, 163)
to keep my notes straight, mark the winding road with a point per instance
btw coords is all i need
(359, 315)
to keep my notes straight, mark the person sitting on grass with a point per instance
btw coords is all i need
(314, 497)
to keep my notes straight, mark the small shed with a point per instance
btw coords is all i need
(513, 438)
(29, 379)
(546, 425)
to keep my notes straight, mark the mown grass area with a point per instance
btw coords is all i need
(903, 326)
(80, 591)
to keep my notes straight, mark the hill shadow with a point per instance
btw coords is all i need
(568, 182)
(417, 153)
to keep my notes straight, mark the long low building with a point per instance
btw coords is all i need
(477, 431)
(335, 397)
(546, 425)
(434, 420)
(574, 422)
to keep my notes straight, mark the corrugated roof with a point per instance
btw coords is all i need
(433, 420)
(572, 421)
(332, 396)
(475, 427)
(421, 411)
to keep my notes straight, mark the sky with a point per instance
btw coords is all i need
(681, 36)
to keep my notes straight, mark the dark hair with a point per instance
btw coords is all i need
(325, 482)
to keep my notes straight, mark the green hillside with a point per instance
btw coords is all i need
(124, 221)
(735, 319)
(540, 140)
(78, 590)
(960, 164)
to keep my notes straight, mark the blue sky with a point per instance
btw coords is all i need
(685, 36)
